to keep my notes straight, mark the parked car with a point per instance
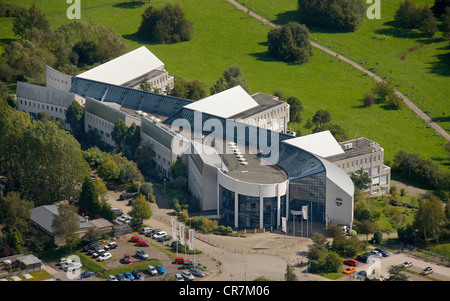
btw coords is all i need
(161, 269)
(146, 230)
(90, 246)
(351, 262)
(126, 196)
(73, 266)
(180, 260)
(374, 253)
(363, 258)
(427, 271)
(142, 254)
(153, 231)
(178, 277)
(175, 243)
(135, 238)
(128, 275)
(159, 234)
(86, 274)
(94, 250)
(197, 272)
(189, 265)
(164, 238)
(121, 277)
(383, 252)
(112, 278)
(362, 274)
(111, 245)
(137, 274)
(124, 219)
(407, 264)
(64, 261)
(105, 256)
(143, 243)
(151, 270)
(99, 253)
(187, 275)
(118, 212)
(349, 270)
(126, 258)
(130, 202)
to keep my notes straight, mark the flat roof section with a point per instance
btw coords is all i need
(356, 147)
(248, 167)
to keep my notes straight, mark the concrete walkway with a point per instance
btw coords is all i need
(410, 104)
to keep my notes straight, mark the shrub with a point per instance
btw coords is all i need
(290, 43)
(166, 25)
(346, 15)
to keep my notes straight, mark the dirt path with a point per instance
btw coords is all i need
(411, 105)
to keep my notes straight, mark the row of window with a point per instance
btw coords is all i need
(39, 105)
(101, 122)
(98, 131)
(359, 162)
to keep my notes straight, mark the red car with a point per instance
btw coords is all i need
(180, 260)
(135, 238)
(351, 262)
(127, 258)
(143, 243)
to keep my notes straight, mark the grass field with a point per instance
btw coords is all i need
(224, 36)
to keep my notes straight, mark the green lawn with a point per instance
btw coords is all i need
(224, 36)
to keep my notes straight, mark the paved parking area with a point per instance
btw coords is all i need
(260, 254)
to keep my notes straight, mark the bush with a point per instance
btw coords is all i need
(166, 25)
(290, 43)
(411, 16)
(346, 15)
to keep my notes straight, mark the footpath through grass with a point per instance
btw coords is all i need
(225, 36)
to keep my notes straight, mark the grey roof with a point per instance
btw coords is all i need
(103, 110)
(44, 94)
(44, 215)
(148, 102)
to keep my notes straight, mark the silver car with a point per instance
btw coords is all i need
(142, 254)
(187, 275)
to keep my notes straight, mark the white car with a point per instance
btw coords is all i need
(159, 234)
(151, 270)
(178, 277)
(105, 256)
(64, 261)
(187, 275)
(407, 264)
(112, 278)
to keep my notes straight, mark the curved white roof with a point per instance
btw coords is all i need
(225, 104)
(124, 68)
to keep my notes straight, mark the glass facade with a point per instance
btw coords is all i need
(309, 191)
(248, 212)
(226, 206)
(270, 212)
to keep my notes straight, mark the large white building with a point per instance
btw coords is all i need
(128, 70)
(251, 176)
(241, 163)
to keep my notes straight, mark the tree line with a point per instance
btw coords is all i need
(68, 48)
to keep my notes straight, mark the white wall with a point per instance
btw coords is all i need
(343, 214)
(57, 80)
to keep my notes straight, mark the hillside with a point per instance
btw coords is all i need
(224, 36)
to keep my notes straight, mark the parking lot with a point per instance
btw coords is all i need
(261, 254)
